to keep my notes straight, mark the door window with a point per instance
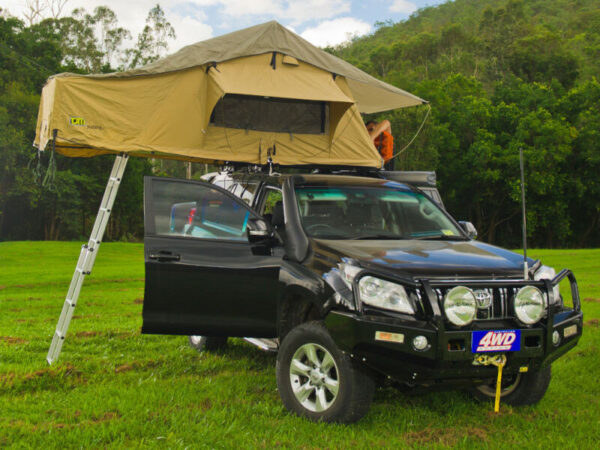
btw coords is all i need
(272, 196)
(195, 210)
(244, 190)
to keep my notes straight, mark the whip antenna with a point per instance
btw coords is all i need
(525, 268)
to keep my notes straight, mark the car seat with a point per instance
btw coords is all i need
(364, 215)
(278, 219)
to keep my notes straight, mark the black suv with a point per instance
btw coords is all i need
(354, 281)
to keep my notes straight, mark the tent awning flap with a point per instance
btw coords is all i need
(254, 75)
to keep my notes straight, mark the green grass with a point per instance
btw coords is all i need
(114, 387)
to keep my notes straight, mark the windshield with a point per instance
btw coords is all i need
(372, 213)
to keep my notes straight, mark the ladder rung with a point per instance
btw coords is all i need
(70, 302)
(59, 334)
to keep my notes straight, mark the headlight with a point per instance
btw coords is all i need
(460, 305)
(384, 294)
(529, 305)
(548, 273)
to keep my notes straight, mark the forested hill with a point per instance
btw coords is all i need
(536, 40)
(500, 75)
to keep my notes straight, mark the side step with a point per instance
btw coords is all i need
(269, 345)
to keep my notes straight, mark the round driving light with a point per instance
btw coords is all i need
(556, 338)
(420, 343)
(460, 305)
(529, 305)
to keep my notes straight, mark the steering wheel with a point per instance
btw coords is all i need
(320, 226)
(426, 210)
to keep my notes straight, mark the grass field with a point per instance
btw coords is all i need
(114, 387)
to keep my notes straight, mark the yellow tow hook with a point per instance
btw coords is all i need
(499, 361)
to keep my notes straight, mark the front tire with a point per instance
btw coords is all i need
(210, 343)
(317, 380)
(517, 390)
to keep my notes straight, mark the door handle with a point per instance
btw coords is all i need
(164, 256)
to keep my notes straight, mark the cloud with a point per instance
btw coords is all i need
(187, 17)
(294, 11)
(196, 20)
(188, 30)
(302, 11)
(237, 8)
(336, 31)
(403, 7)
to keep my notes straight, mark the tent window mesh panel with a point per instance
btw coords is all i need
(279, 115)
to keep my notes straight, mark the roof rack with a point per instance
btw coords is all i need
(416, 178)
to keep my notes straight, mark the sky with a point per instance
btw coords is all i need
(322, 22)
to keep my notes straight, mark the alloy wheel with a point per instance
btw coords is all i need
(314, 376)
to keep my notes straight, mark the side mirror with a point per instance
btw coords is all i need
(469, 228)
(258, 231)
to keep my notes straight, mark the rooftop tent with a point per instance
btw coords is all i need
(238, 97)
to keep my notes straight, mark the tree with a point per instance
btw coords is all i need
(542, 57)
(37, 10)
(423, 48)
(498, 29)
(382, 59)
(152, 42)
(111, 35)
(89, 42)
(452, 37)
(28, 210)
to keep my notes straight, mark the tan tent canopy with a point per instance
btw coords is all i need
(239, 97)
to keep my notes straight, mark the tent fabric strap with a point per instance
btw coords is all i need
(212, 65)
(260, 151)
(37, 170)
(49, 181)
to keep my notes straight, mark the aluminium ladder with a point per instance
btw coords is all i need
(87, 257)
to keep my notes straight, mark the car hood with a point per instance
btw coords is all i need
(423, 258)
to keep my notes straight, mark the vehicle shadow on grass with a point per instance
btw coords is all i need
(434, 401)
(238, 350)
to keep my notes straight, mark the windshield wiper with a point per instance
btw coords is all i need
(376, 236)
(441, 237)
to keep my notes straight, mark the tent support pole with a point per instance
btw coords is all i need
(87, 257)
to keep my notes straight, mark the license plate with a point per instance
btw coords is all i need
(496, 341)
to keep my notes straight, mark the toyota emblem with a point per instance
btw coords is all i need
(484, 299)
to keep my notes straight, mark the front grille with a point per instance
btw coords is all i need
(499, 304)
